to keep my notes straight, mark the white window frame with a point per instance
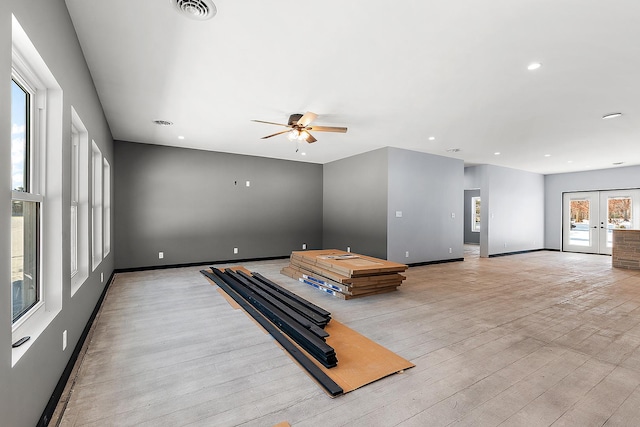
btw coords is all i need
(79, 202)
(475, 225)
(45, 184)
(97, 225)
(106, 203)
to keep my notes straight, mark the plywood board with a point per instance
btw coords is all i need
(344, 262)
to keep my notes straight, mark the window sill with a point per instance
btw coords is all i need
(32, 326)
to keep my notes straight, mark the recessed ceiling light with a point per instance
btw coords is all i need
(431, 138)
(611, 115)
(569, 161)
(547, 155)
(163, 122)
(180, 137)
(497, 153)
(200, 10)
(303, 153)
(534, 66)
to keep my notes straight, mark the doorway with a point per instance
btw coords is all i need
(589, 217)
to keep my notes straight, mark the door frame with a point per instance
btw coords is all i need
(599, 229)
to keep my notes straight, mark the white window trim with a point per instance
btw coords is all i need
(80, 199)
(97, 226)
(475, 227)
(46, 165)
(106, 206)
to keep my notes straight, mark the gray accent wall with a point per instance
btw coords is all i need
(355, 204)
(557, 184)
(470, 236)
(428, 190)
(26, 388)
(195, 206)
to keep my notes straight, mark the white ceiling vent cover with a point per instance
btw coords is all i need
(196, 9)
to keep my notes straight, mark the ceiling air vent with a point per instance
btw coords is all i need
(196, 9)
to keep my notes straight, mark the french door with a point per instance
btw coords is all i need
(589, 217)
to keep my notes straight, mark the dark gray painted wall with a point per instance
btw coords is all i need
(355, 204)
(428, 190)
(195, 206)
(470, 236)
(556, 184)
(26, 388)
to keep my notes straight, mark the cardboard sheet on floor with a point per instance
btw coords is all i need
(361, 361)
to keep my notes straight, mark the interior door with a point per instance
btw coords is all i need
(581, 222)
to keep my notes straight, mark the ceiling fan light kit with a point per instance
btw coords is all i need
(299, 127)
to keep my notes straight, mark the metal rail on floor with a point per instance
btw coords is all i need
(310, 342)
(322, 378)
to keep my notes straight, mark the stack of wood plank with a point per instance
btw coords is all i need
(344, 274)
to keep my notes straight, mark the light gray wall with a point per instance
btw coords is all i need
(556, 184)
(470, 236)
(427, 189)
(26, 388)
(195, 206)
(355, 204)
(512, 210)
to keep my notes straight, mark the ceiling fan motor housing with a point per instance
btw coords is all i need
(293, 119)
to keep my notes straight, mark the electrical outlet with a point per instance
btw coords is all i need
(406, 254)
(235, 250)
(248, 183)
(101, 277)
(160, 255)
(304, 246)
(398, 214)
(505, 244)
(450, 251)
(453, 215)
(348, 248)
(64, 340)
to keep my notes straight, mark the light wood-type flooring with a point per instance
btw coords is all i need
(538, 339)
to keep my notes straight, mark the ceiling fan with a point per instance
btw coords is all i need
(299, 127)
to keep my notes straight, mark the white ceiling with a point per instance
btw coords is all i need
(394, 73)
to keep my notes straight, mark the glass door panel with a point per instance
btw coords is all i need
(620, 211)
(580, 222)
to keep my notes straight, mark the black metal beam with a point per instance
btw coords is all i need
(322, 378)
(302, 320)
(296, 305)
(315, 346)
(291, 295)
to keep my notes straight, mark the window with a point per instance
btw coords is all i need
(106, 200)
(79, 205)
(26, 200)
(475, 214)
(96, 206)
(36, 192)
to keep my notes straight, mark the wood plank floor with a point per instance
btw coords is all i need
(538, 339)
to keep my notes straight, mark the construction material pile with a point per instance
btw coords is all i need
(344, 274)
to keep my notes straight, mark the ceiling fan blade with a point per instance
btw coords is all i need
(310, 139)
(328, 129)
(270, 123)
(307, 118)
(278, 133)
